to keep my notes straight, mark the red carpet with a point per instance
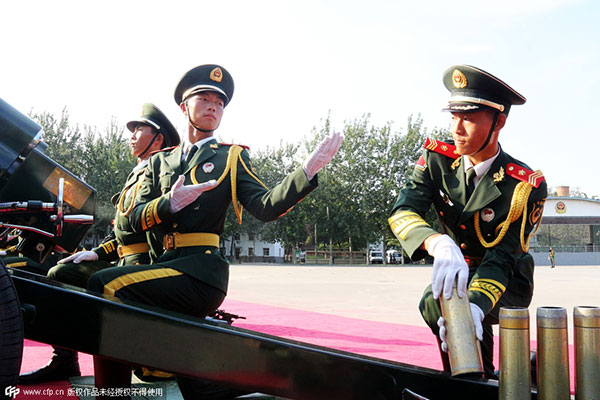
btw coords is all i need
(402, 343)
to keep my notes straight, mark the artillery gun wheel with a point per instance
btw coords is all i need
(11, 332)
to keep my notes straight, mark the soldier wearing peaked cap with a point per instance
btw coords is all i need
(184, 199)
(150, 132)
(488, 203)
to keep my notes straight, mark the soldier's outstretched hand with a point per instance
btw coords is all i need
(184, 195)
(448, 265)
(322, 154)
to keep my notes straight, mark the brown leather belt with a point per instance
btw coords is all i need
(130, 249)
(175, 240)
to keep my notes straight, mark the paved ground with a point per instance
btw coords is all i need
(389, 293)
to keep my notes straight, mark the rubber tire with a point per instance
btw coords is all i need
(11, 333)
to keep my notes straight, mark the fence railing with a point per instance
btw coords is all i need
(573, 248)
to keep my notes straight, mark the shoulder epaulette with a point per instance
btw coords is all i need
(164, 149)
(233, 144)
(534, 178)
(447, 149)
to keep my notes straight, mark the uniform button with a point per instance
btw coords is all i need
(207, 252)
(174, 225)
(463, 246)
(441, 213)
(463, 227)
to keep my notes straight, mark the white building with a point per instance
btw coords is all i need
(249, 248)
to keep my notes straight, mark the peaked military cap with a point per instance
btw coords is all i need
(473, 89)
(209, 77)
(151, 115)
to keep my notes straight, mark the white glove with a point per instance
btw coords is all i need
(79, 257)
(448, 263)
(2, 253)
(184, 195)
(322, 154)
(478, 316)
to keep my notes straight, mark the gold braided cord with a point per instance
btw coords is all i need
(252, 175)
(230, 156)
(525, 246)
(236, 206)
(518, 208)
(125, 213)
(235, 153)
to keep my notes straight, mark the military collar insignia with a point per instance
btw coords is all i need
(499, 176)
(525, 175)
(214, 146)
(208, 167)
(456, 163)
(446, 149)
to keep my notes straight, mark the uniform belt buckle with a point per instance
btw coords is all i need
(169, 241)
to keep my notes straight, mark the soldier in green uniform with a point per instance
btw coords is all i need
(551, 257)
(150, 132)
(488, 205)
(184, 199)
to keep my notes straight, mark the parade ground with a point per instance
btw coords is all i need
(369, 310)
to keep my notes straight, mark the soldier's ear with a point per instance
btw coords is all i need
(183, 107)
(500, 121)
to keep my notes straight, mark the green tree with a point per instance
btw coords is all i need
(64, 141)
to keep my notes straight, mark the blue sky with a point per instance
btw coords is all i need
(293, 62)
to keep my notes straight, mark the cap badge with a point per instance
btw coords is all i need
(487, 214)
(216, 74)
(208, 167)
(459, 79)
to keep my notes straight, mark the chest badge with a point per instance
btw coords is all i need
(446, 199)
(487, 214)
(208, 167)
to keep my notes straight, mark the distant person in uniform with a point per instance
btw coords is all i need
(551, 257)
(184, 199)
(488, 203)
(150, 132)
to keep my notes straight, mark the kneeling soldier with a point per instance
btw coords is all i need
(488, 204)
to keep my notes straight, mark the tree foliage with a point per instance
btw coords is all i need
(100, 158)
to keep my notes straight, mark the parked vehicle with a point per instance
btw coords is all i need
(375, 257)
(393, 257)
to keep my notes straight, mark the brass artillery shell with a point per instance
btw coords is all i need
(586, 324)
(515, 366)
(552, 354)
(464, 349)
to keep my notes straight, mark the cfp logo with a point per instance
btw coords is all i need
(11, 391)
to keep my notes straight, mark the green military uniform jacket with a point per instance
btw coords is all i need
(439, 180)
(207, 214)
(122, 233)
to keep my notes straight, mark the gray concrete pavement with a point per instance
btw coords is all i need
(389, 293)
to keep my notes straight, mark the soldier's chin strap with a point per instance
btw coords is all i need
(149, 145)
(192, 123)
(496, 115)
